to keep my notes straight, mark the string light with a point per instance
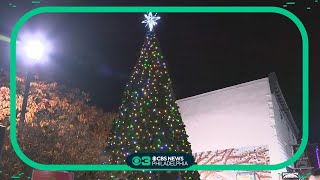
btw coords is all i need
(149, 117)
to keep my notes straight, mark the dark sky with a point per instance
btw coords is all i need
(205, 52)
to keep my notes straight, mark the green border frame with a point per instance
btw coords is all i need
(143, 9)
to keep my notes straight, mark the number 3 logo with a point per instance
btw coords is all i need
(146, 161)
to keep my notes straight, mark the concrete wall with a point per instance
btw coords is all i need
(285, 135)
(232, 117)
(244, 115)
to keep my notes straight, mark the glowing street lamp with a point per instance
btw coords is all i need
(34, 50)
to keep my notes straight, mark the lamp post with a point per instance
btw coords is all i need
(25, 99)
(34, 50)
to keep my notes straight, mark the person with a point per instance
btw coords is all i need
(315, 174)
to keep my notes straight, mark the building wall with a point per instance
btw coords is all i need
(245, 115)
(232, 117)
(285, 135)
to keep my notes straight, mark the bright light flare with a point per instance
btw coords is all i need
(34, 48)
(4, 38)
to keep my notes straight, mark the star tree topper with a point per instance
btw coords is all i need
(151, 20)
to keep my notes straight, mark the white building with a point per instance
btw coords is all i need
(249, 123)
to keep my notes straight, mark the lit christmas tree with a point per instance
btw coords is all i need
(149, 120)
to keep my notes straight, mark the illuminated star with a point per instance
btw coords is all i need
(151, 20)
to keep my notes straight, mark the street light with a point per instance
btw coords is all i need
(34, 49)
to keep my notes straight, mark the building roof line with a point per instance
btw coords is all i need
(223, 89)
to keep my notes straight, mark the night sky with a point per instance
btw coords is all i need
(205, 52)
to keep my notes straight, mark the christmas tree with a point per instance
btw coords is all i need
(149, 120)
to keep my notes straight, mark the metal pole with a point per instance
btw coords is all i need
(25, 100)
